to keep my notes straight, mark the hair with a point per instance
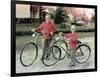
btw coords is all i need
(73, 26)
(47, 14)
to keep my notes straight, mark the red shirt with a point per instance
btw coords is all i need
(47, 28)
(72, 39)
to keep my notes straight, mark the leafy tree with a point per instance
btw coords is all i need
(42, 16)
(60, 15)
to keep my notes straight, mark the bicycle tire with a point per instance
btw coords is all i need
(23, 52)
(63, 50)
(78, 60)
(53, 56)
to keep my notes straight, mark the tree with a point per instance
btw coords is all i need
(42, 16)
(60, 16)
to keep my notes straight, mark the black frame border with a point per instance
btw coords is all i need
(13, 38)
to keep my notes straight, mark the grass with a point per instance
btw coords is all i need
(26, 27)
(29, 27)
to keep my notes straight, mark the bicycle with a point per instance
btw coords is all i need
(29, 53)
(82, 54)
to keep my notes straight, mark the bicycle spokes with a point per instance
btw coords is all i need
(28, 54)
(82, 53)
(52, 56)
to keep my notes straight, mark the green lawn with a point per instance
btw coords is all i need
(26, 27)
(29, 27)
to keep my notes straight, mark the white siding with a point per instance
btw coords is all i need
(22, 11)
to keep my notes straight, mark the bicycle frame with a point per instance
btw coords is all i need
(79, 43)
(62, 38)
(35, 36)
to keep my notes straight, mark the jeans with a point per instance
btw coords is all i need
(72, 54)
(46, 43)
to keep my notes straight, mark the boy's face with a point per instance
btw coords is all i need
(72, 29)
(47, 17)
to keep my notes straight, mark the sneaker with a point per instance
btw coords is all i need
(43, 58)
(72, 64)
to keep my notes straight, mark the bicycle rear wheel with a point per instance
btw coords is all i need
(51, 57)
(63, 46)
(83, 53)
(28, 54)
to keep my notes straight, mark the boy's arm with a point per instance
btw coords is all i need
(39, 28)
(66, 35)
(53, 29)
(62, 35)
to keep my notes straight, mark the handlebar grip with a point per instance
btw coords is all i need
(78, 41)
(37, 33)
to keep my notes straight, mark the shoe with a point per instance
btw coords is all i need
(72, 64)
(43, 58)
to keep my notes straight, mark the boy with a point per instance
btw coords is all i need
(47, 28)
(72, 38)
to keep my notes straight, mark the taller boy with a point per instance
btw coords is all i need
(47, 28)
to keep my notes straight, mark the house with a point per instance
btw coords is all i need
(27, 13)
(81, 14)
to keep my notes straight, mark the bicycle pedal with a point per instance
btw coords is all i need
(47, 58)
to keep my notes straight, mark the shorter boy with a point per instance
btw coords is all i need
(72, 44)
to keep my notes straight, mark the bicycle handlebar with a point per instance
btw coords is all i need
(37, 33)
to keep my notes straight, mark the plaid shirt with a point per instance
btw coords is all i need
(72, 39)
(47, 28)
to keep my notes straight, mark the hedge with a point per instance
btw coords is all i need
(60, 30)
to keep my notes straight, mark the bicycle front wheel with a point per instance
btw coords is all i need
(63, 46)
(53, 55)
(28, 54)
(83, 53)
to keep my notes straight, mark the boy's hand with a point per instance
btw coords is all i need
(42, 32)
(33, 30)
(60, 33)
(51, 33)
